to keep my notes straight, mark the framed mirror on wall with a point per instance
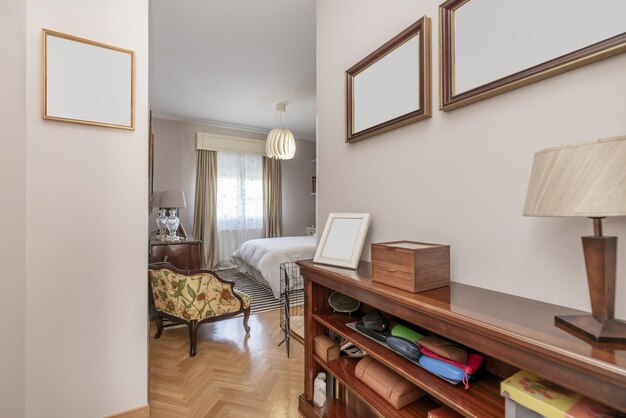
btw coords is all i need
(489, 47)
(391, 87)
(87, 82)
(342, 240)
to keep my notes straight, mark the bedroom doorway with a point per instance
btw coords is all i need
(213, 93)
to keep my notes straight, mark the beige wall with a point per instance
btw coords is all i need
(460, 178)
(175, 169)
(86, 227)
(175, 164)
(13, 203)
(298, 204)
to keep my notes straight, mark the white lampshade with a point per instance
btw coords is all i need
(280, 144)
(171, 199)
(587, 179)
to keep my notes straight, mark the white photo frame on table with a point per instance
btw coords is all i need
(342, 240)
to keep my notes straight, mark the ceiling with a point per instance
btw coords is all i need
(231, 61)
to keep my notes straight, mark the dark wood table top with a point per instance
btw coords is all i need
(188, 240)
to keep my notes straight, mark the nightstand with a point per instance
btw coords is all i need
(184, 254)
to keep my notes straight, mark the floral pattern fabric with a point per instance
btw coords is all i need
(194, 297)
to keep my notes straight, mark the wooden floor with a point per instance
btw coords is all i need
(232, 375)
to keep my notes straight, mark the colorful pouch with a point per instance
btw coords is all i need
(403, 347)
(406, 333)
(445, 348)
(473, 363)
(442, 369)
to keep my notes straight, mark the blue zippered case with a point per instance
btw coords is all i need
(442, 369)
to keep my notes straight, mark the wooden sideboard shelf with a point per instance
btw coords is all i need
(514, 333)
(333, 408)
(343, 370)
(482, 400)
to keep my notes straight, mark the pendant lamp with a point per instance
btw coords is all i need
(280, 143)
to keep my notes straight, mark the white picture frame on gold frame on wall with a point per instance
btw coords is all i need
(342, 240)
(87, 82)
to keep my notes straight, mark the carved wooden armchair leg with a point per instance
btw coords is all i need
(246, 316)
(159, 324)
(193, 331)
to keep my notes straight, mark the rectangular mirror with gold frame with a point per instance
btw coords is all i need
(391, 87)
(87, 82)
(489, 47)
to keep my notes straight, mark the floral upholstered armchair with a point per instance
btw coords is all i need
(194, 297)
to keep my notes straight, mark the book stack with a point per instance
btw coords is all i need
(549, 400)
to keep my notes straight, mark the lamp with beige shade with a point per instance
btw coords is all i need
(170, 200)
(589, 180)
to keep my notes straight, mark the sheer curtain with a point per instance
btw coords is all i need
(239, 202)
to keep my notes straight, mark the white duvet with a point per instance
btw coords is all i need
(261, 258)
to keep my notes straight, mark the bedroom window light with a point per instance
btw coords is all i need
(239, 202)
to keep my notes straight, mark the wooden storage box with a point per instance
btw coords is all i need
(392, 387)
(411, 266)
(325, 348)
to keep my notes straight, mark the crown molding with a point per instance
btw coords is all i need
(216, 124)
(211, 123)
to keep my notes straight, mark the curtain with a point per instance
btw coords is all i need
(273, 198)
(239, 202)
(205, 213)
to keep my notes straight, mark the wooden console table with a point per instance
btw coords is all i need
(185, 254)
(514, 333)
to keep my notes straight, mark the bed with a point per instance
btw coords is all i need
(261, 258)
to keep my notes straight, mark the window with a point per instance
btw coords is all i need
(239, 203)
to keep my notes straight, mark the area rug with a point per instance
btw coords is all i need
(262, 297)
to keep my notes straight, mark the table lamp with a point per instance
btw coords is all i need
(589, 180)
(172, 200)
(160, 219)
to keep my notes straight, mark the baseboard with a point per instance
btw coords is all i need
(139, 412)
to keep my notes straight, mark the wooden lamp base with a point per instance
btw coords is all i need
(601, 263)
(603, 331)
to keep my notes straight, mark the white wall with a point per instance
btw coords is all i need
(460, 178)
(13, 203)
(86, 228)
(175, 169)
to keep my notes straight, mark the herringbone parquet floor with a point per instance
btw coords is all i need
(232, 375)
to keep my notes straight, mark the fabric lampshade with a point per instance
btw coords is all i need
(280, 144)
(171, 199)
(587, 179)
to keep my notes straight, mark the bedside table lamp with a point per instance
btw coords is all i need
(589, 180)
(172, 200)
(160, 219)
